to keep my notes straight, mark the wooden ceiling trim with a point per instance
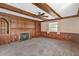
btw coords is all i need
(17, 16)
(47, 9)
(73, 16)
(52, 10)
(12, 8)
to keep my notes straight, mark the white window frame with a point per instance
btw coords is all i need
(53, 28)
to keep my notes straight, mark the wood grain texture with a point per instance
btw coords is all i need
(17, 26)
(62, 36)
(73, 16)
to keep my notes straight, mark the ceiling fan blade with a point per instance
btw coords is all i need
(39, 13)
(42, 14)
(45, 16)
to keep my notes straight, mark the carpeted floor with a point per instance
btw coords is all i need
(40, 47)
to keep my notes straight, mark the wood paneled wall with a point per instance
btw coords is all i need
(18, 25)
(54, 35)
(62, 36)
(38, 29)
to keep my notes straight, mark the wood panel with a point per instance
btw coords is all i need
(38, 29)
(44, 34)
(4, 39)
(62, 36)
(18, 25)
(73, 16)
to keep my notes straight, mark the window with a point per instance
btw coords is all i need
(53, 27)
(4, 26)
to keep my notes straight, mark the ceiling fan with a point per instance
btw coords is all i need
(41, 14)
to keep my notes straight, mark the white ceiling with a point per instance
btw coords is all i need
(63, 9)
(30, 8)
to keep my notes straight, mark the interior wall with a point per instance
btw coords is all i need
(70, 25)
(68, 29)
(64, 25)
(44, 26)
(18, 25)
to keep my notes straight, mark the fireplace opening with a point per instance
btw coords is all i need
(24, 36)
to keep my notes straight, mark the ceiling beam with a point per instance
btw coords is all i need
(73, 16)
(47, 9)
(2, 13)
(14, 9)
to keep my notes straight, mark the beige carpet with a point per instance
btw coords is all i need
(40, 47)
